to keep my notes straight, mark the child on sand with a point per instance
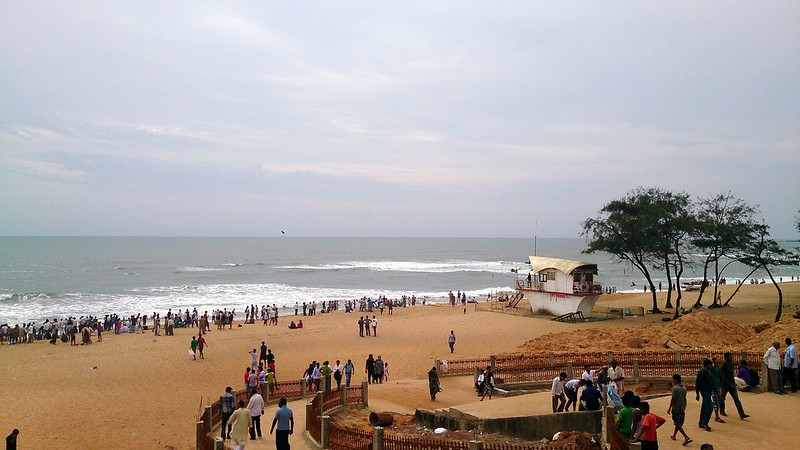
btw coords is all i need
(677, 408)
(193, 346)
(648, 434)
(201, 344)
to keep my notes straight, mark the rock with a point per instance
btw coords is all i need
(761, 326)
(440, 430)
(670, 344)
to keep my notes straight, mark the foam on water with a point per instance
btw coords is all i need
(203, 297)
(414, 266)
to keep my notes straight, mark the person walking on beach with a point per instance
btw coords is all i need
(677, 408)
(361, 326)
(201, 345)
(716, 382)
(369, 367)
(772, 359)
(193, 346)
(374, 323)
(557, 392)
(703, 387)
(284, 420)
(240, 425)
(348, 372)
(256, 408)
(366, 325)
(227, 407)
(253, 359)
(262, 356)
(790, 365)
(377, 368)
(433, 383)
(729, 387)
(648, 429)
(451, 341)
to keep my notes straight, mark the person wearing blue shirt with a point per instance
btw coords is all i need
(284, 419)
(590, 399)
(790, 365)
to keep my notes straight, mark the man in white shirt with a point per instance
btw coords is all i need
(557, 392)
(617, 375)
(571, 391)
(772, 359)
(256, 407)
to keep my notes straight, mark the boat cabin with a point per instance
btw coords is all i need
(561, 276)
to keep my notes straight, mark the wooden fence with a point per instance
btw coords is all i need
(211, 416)
(521, 367)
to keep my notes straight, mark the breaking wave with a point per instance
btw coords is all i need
(413, 266)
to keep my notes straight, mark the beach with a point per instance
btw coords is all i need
(141, 391)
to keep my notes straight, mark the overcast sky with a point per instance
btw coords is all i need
(399, 119)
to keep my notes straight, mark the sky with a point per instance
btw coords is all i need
(489, 119)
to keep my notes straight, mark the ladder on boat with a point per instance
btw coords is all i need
(573, 317)
(514, 301)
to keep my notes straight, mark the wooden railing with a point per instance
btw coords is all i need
(547, 365)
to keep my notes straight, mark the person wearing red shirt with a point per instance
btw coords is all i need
(647, 431)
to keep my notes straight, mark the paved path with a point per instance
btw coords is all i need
(297, 441)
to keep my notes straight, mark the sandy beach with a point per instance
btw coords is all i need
(141, 391)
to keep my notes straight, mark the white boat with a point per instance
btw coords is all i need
(560, 286)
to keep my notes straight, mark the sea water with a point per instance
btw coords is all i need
(46, 277)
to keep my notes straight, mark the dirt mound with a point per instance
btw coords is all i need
(575, 439)
(788, 327)
(698, 330)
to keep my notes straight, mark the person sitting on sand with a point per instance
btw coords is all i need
(300, 324)
(292, 326)
(746, 378)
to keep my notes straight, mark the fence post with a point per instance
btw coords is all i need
(309, 413)
(326, 384)
(265, 392)
(207, 419)
(636, 372)
(321, 411)
(343, 396)
(475, 445)
(493, 362)
(201, 435)
(219, 444)
(365, 393)
(570, 370)
(325, 431)
(377, 439)
(678, 361)
(302, 388)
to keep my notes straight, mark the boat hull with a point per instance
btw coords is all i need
(557, 304)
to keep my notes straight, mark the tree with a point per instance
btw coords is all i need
(673, 225)
(628, 229)
(724, 224)
(764, 252)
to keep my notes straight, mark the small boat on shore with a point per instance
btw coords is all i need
(560, 286)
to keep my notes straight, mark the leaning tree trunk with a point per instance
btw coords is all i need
(668, 304)
(678, 273)
(739, 286)
(715, 303)
(699, 302)
(655, 309)
(780, 294)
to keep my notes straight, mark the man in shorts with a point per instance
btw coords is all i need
(677, 408)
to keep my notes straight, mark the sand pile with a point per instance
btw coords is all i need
(698, 330)
(575, 439)
(771, 332)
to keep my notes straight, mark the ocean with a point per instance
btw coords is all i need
(46, 277)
